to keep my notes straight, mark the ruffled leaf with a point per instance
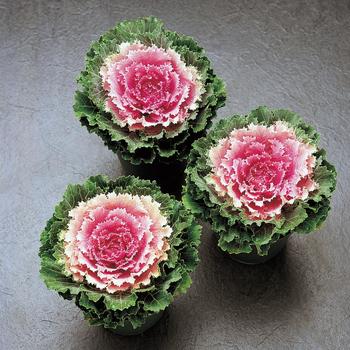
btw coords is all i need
(120, 302)
(158, 302)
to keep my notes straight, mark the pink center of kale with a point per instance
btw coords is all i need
(116, 242)
(148, 86)
(260, 169)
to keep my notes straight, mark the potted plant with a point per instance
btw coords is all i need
(122, 250)
(257, 179)
(148, 92)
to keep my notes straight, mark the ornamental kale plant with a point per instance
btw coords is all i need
(258, 178)
(147, 92)
(122, 250)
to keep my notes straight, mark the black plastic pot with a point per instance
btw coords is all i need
(169, 177)
(128, 329)
(254, 258)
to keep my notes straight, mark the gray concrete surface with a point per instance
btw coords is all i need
(292, 54)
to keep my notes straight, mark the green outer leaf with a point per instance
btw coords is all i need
(293, 218)
(158, 302)
(184, 284)
(137, 147)
(236, 233)
(120, 302)
(102, 308)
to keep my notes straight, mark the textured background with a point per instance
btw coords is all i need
(292, 54)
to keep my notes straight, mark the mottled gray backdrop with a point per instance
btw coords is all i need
(291, 54)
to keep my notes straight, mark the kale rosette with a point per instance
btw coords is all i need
(121, 249)
(258, 178)
(148, 92)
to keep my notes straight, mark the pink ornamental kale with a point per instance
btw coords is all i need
(122, 249)
(258, 178)
(147, 91)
